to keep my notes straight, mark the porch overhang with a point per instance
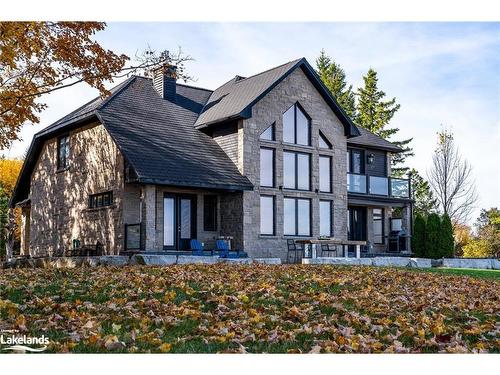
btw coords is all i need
(363, 200)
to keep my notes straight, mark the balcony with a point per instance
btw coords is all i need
(378, 186)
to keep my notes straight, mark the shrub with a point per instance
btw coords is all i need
(418, 239)
(433, 237)
(477, 249)
(447, 241)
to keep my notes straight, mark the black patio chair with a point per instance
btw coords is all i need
(295, 251)
(329, 250)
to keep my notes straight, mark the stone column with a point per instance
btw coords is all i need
(406, 223)
(149, 217)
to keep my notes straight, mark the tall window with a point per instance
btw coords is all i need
(355, 161)
(62, 151)
(296, 170)
(268, 134)
(267, 215)
(297, 217)
(296, 126)
(267, 167)
(325, 174)
(210, 213)
(325, 218)
(378, 225)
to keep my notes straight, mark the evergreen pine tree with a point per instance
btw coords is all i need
(418, 239)
(447, 240)
(334, 78)
(374, 114)
(433, 237)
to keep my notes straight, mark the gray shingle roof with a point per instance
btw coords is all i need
(367, 138)
(232, 98)
(159, 140)
(235, 98)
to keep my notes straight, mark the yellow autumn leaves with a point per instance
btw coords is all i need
(249, 309)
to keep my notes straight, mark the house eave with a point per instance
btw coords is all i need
(192, 185)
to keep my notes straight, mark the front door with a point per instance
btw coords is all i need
(356, 226)
(179, 221)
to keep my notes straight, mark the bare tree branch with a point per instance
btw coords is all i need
(451, 179)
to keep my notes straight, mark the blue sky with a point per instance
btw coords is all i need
(440, 73)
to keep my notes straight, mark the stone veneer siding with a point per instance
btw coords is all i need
(295, 88)
(59, 199)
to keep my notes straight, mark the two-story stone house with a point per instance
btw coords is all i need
(261, 159)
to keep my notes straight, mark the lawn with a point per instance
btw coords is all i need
(484, 274)
(255, 309)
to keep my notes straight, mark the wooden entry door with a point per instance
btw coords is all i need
(179, 221)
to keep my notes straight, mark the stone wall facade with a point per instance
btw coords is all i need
(59, 210)
(295, 88)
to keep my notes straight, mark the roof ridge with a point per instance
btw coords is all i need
(267, 70)
(194, 87)
(179, 84)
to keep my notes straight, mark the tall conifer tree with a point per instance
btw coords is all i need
(374, 114)
(334, 78)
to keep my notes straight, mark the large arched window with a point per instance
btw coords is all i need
(296, 126)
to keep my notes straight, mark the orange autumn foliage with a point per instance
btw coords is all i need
(40, 57)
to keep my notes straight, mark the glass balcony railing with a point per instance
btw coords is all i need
(356, 183)
(400, 188)
(379, 185)
(375, 185)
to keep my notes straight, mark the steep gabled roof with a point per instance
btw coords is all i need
(157, 137)
(235, 99)
(368, 139)
(159, 140)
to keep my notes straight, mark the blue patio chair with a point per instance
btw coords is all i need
(222, 247)
(198, 249)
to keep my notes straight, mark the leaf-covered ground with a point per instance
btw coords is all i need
(257, 308)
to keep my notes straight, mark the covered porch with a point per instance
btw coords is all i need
(385, 225)
(163, 220)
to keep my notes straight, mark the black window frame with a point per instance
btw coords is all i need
(295, 106)
(330, 184)
(273, 133)
(273, 166)
(63, 160)
(331, 216)
(296, 182)
(273, 197)
(322, 137)
(210, 212)
(382, 219)
(97, 200)
(296, 200)
(362, 158)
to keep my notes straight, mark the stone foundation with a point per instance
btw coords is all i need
(119, 260)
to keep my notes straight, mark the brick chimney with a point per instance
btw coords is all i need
(164, 81)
